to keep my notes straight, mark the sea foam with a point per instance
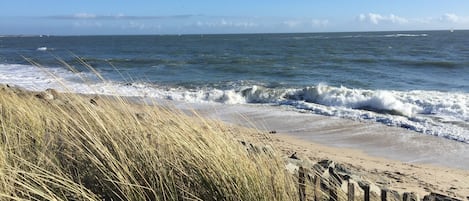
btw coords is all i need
(41, 49)
(444, 114)
(406, 35)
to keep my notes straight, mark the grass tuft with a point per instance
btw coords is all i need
(71, 148)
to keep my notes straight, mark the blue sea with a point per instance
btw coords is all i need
(416, 81)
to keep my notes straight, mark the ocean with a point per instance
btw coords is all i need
(416, 81)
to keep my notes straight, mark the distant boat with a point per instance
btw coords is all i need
(451, 30)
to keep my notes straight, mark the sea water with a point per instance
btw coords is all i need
(416, 81)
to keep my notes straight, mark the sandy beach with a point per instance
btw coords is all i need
(254, 100)
(393, 174)
(369, 151)
(390, 157)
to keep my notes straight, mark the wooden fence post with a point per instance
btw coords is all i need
(406, 196)
(301, 183)
(384, 194)
(410, 197)
(351, 192)
(366, 190)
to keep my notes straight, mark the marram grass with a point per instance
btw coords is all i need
(69, 148)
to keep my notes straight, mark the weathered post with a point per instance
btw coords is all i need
(410, 197)
(366, 190)
(384, 194)
(351, 192)
(301, 183)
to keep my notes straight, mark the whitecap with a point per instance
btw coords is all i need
(41, 49)
(444, 114)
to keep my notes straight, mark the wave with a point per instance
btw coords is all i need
(405, 35)
(41, 49)
(444, 114)
(364, 35)
(397, 35)
(44, 48)
(428, 112)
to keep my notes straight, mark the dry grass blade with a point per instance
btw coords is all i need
(67, 148)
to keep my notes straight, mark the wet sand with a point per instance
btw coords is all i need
(375, 139)
(392, 157)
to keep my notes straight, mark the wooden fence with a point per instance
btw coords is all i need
(313, 187)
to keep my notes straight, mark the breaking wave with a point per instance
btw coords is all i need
(444, 114)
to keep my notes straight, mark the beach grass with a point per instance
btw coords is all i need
(76, 147)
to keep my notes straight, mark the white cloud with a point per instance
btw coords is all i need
(451, 17)
(87, 24)
(375, 21)
(84, 16)
(375, 18)
(315, 22)
(372, 17)
(292, 23)
(305, 23)
(246, 24)
(119, 16)
(397, 19)
(135, 25)
(225, 23)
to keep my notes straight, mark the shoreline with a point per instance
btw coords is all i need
(393, 174)
(369, 154)
(374, 139)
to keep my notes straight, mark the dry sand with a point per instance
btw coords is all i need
(396, 175)
(389, 157)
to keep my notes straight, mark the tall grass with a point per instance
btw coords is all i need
(69, 148)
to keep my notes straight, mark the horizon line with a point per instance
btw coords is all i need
(240, 33)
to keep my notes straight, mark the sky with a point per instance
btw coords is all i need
(105, 17)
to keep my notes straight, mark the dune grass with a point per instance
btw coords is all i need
(71, 148)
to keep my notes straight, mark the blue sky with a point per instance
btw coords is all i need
(91, 17)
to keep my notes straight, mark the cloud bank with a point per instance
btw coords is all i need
(90, 16)
(190, 23)
(375, 18)
(383, 22)
(90, 23)
(455, 19)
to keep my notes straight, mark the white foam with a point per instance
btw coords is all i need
(406, 35)
(358, 99)
(38, 79)
(443, 114)
(385, 36)
(436, 113)
(41, 49)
